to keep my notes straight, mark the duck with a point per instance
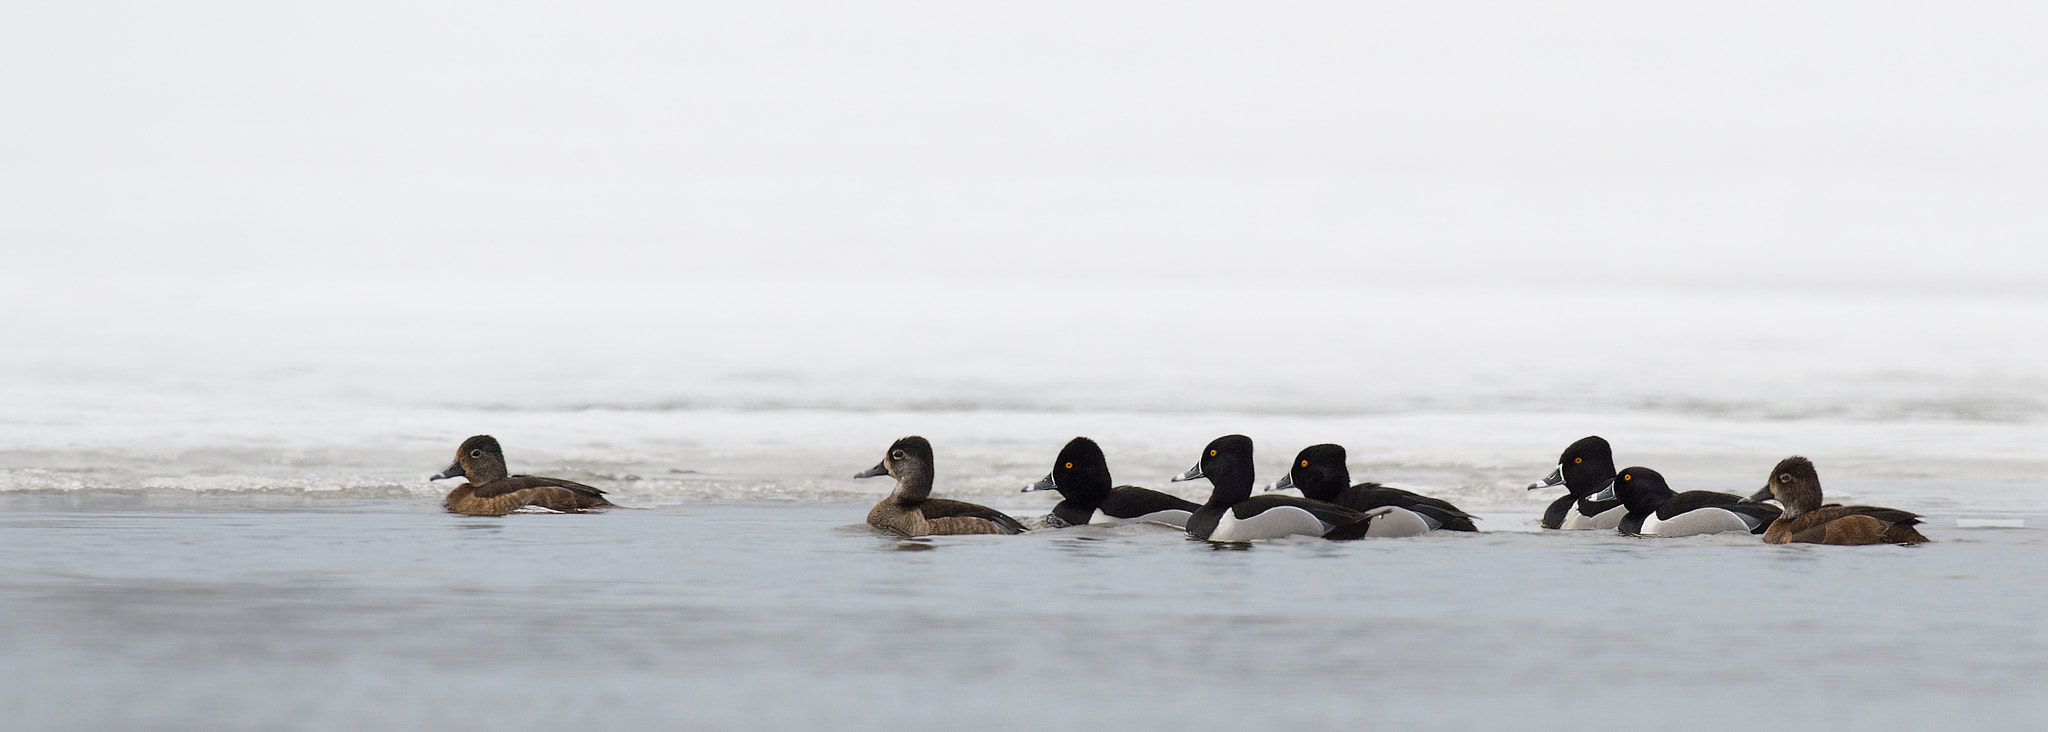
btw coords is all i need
(1081, 475)
(1233, 514)
(1320, 472)
(1654, 510)
(491, 492)
(1586, 470)
(1796, 485)
(910, 511)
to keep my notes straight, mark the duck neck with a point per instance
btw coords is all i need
(1801, 502)
(1229, 490)
(1324, 484)
(914, 485)
(1074, 515)
(485, 470)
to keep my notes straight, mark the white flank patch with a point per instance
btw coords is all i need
(1607, 520)
(1397, 522)
(1695, 522)
(1173, 517)
(1271, 523)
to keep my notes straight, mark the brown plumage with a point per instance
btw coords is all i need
(1797, 485)
(491, 492)
(911, 511)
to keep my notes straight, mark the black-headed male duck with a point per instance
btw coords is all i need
(1081, 475)
(1654, 510)
(1319, 471)
(1586, 470)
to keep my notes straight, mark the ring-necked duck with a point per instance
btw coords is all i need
(911, 511)
(490, 492)
(1081, 475)
(1233, 514)
(1586, 470)
(1319, 471)
(1797, 485)
(1653, 510)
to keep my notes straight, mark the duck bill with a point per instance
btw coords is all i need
(1286, 482)
(1043, 485)
(1605, 494)
(1193, 473)
(1553, 480)
(1759, 496)
(454, 471)
(879, 469)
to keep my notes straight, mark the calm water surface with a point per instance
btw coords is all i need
(265, 612)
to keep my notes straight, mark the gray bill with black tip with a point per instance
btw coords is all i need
(454, 471)
(1193, 473)
(879, 469)
(1043, 485)
(1553, 480)
(1286, 482)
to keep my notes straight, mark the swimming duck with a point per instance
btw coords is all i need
(1319, 471)
(1081, 476)
(911, 511)
(1586, 469)
(1233, 514)
(490, 492)
(1653, 510)
(1797, 485)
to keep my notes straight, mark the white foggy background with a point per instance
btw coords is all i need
(278, 225)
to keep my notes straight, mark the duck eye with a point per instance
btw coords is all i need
(1212, 453)
(1070, 466)
(1626, 476)
(476, 454)
(897, 455)
(1784, 477)
(1576, 461)
(1304, 463)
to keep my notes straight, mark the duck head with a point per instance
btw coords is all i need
(909, 461)
(1795, 484)
(1319, 471)
(479, 459)
(1079, 473)
(1586, 469)
(1227, 463)
(1641, 489)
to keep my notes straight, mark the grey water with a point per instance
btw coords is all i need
(282, 612)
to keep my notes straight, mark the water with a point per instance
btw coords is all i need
(252, 613)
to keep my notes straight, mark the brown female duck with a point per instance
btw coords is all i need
(911, 511)
(491, 492)
(1796, 485)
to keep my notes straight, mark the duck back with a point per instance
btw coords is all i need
(1847, 526)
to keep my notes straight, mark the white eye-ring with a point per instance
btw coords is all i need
(476, 454)
(897, 455)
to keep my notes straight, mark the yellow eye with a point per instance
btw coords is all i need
(1212, 453)
(1626, 476)
(1304, 463)
(1070, 466)
(1576, 461)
